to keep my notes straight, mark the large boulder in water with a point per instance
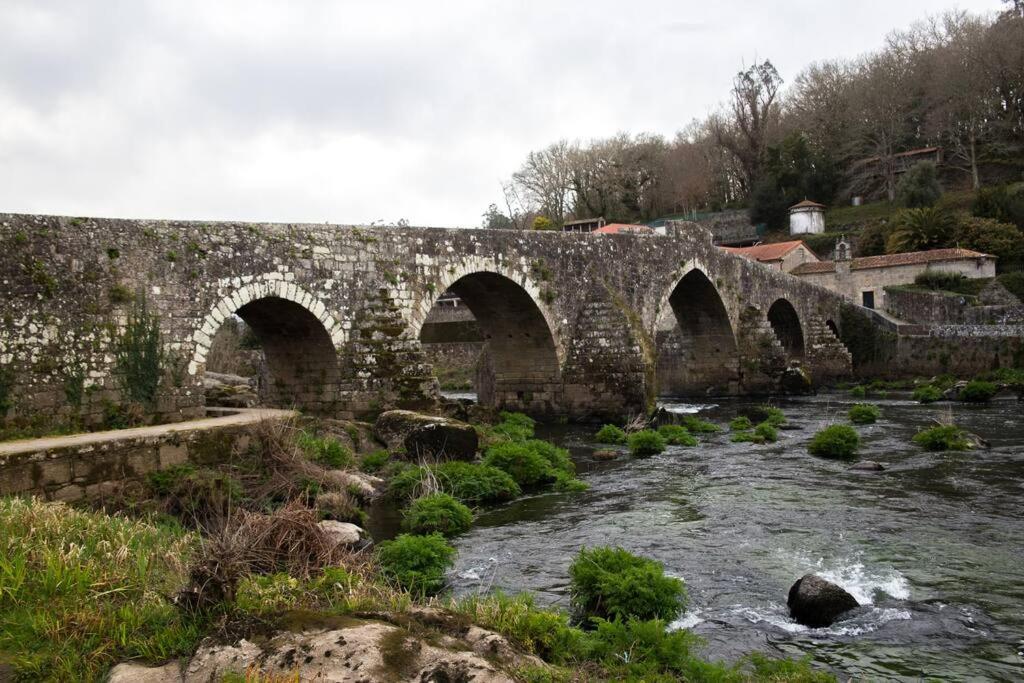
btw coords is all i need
(426, 436)
(815, 602)
(796, 380)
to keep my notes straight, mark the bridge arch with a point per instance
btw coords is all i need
(697, 349)
(788, 329)
(520, 363)
(299, 337)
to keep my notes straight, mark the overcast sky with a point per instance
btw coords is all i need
(362, 111)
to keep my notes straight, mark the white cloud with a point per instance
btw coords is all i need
(360, 111)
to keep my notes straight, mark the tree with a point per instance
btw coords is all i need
(961, 100)
(546, 179)
(989, 236)
(744, 133)
(790, 172)
(919, 186)
(493, 219)
(920, 229)
(543, 223)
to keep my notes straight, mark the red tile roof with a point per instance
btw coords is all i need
(620, 228)
(891, 260)
(766, 252)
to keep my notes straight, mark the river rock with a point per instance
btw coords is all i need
(796, 380)
(815, 602)
(867, 466)
(137, 673)
(357, 651)
(604, 454)
(953, 393)
(426, 436)
(342, 533)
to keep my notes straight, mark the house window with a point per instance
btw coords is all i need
(869, 299)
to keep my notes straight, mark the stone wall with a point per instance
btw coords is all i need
(852, 283)
(570, 319)
(927, 307)
(101, 466)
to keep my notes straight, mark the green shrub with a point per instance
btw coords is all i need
(919, 186)
(696, 425)
(762, 433)
(416, 563)
(610, 434)
(676, 435)
(470, 483)
(325, 450)
(612, 583)
(766, 432)
(836, 441)
(864, 413)
(773, 416)
(927, 393)
(529, 468)
(557, 457)
(639, 650)
(942, 438)
(645, 443)
(978, 391)
(518, 419)
(1001, 204)
(438, 512)
(374, 462)
(741, 424)
(939, 280)
(567, 483)
(859, 391)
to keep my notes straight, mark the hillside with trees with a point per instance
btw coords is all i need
(839, 129)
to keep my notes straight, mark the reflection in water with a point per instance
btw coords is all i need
(933, 547)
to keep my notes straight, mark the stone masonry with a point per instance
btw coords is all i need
(570, 321)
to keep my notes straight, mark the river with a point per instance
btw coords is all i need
(934, 544)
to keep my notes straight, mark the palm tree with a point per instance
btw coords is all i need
(920, 229)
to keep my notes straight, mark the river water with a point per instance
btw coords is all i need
(933, 546)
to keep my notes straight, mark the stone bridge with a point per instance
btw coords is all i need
(579, 325)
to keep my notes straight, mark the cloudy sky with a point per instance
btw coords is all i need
(372, 110)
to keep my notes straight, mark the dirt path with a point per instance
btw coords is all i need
(239, 416)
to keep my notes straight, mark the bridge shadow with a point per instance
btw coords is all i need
(697, 351)
(487, 334)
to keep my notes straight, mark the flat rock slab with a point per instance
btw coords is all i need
(426, 436)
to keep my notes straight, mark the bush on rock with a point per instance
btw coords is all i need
(610, 434)
(437, 512)
(928, 393)
(676, 435)
(942, 438)
(864, 413)
(978, 391)
(645, 443)
(470, 483)
(612, 583)
(837, 441)
(416, 563)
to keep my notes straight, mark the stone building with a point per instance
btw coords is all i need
(784, 256)
(806, 218)
(864, 279)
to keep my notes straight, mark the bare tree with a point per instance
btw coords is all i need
(753, 111)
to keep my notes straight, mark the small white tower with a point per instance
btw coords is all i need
(806, 218)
